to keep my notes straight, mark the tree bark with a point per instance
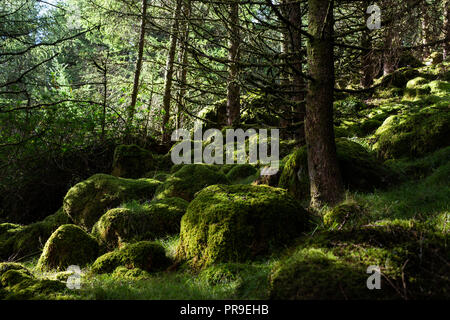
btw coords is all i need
(137, 73)
(324, 174)
(367, 65)
(233, 87)
(425, 29)
(388, 53)
(446, 51)
(286, 119)
(291, 77)
(183, 61)
(168, 78)
(298, 84)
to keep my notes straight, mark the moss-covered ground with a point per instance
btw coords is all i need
(395, 153)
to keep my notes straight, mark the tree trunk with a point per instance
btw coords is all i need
(105, 96)
(183, 61)
(367, 72)
(233, 89)
(298, 84)
(286, 118)
(446, 51)
(292, 63)
(388, 53)
(137, 73)
(169, 72)
(425, 29)
(324, 174)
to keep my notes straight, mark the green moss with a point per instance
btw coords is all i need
(440, 88)
(399, 78)
(58, 219)
(176, 167)
(347, 214)
(148, 256)
(189, 180)
(333, 264)
(227, 168)
(68, 245)
(15, 276)
(132, 161)
(360, 170)
(413, 135)
(6, 266)
(234, 223)
(421, 167)
(156, 219)
(160, 176)
(20, 285)
(417, 87)
(134, 274)
(18, 241)
(286, 147)
(295, 176)
(22, 241)
(87, 201)
(222, 273)
(390, 93)
(241, 171)
(6, 228)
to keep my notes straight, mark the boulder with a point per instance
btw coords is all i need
(238, 222)
(145, 255)
(68, 245)
(132, 161)
(87, 201)
(18, 241)
(413, 134)
(20, 284)
(347, 214)
(333, 265)
(360, 170)
(241, 171)
(188, 180)
(150, 221)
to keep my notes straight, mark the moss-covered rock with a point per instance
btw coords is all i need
(270, 180)
(134, 274)
(58, 218)
(222, 273)
(145, 255)
(398, 78)
(19, 284)
(157, 175)
(141, 222)
(15, 276)
(417, 87)
(234, 223)
(19, 241)
(241, 171)
(333, 264)
(189, 180)
(360, 170)
(132, 161)
(413, 135)
(421, 167)
(68, 245)
(6, 228)
(347, 214)
(87, 201)
(225, 168)
(295, 176)
(6, 266)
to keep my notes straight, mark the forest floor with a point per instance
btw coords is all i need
(401, 225)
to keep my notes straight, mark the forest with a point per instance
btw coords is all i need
(349, 98)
